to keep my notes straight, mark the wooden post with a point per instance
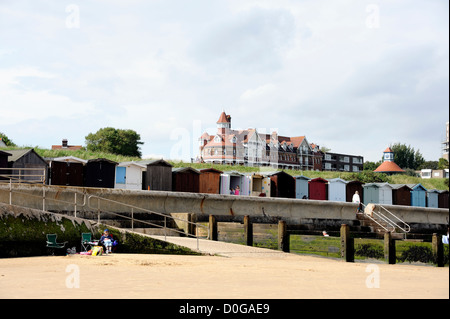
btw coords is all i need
(389, 248)
(283, 237)
(438, 250)
(192, 229)
(213, 228)
(248, 231)
(347, 244)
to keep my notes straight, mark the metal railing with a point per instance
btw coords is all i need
(140, 209)
(388, 221)
(24, 175)
(87, 202)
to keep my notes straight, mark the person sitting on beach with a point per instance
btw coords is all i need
(106, 241)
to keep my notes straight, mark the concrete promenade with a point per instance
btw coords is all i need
(210, 247)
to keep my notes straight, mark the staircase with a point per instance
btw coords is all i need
(380, 221)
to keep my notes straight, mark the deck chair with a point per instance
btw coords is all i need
(87, 242)
(52, 244)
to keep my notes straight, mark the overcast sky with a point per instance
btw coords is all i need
(352, 75)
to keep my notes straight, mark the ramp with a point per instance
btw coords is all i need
(211, 247)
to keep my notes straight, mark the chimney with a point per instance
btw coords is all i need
(64, 143)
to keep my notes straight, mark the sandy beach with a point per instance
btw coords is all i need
(257, 276)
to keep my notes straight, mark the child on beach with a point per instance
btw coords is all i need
(106, 240)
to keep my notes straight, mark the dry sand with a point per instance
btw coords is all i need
(254, 276)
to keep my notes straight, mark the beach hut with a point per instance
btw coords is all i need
(433, 198)
(377, 193)
(209, 181)
(301, 187)
(259, 184)
(66, 171)
(4, 159)
(129, 175)
(4, 165)
(230, 180)
(352, 187)
(36, 167)
(443, 199)
(185, 179)
(401, 194)
(282, 185)
(100, 172)
(158, 176)
(337, 190)
(418, 195)
(318, 189)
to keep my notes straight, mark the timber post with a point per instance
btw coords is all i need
(283, 237)
(438, 250)
(347, 244)
(248, 231)
(213, 228)
(389, 248)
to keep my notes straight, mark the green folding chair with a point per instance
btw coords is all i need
(52, 244)
(87, 242)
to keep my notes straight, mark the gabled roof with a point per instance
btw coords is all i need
(378, 185)
(388, 150)
(302, 177)
(159, 162)
(213, 170)
(184, 170)
(17, 154)
(398, 186)
(337, 180)
(318, 179)
(416, 186)
(132, 163)
(94, 160)
(69, 159)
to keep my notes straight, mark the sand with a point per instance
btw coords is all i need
(254, 276)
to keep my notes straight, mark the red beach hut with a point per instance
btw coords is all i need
(318, 189)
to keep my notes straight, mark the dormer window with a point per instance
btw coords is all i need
(217, 139)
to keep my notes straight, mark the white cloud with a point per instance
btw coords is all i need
(309, 68)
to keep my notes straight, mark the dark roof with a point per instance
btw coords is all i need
(102, 160)
(17, 154)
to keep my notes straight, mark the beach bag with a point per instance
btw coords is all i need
(97, 251)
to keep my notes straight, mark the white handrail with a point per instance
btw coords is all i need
(387, 220)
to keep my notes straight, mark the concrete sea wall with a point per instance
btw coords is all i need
(305, 213)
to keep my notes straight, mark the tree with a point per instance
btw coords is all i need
(371, 166)
(115, 141)
(443, 163)
(6, 140)
(407, 157)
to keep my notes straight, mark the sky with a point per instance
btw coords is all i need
(353, 76)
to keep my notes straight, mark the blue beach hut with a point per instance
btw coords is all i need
(418, 195)
(433, 198)
(301, 187)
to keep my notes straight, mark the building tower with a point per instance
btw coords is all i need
(224, 123)
(388, 166)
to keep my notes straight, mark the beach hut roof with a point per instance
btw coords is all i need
(205, 170)
(416, 186)
(159, 162)
(302, 177)
(184, 170)
(132, 163)
(378, 185)
(337, 180)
